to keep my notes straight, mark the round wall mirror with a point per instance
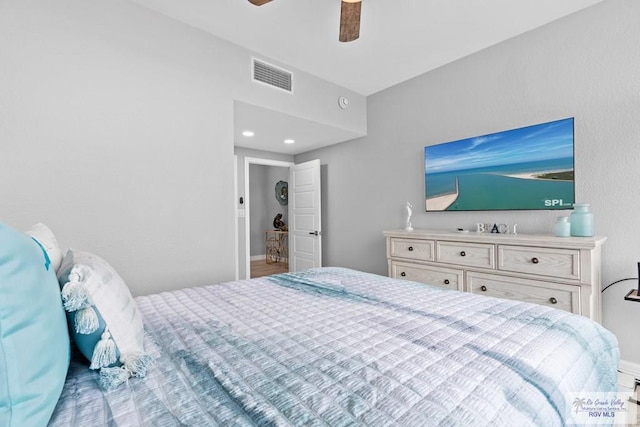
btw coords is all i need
(282, 192)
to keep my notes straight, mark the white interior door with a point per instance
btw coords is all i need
(305, 235)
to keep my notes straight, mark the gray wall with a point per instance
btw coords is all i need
(583, 66)
(116, 130)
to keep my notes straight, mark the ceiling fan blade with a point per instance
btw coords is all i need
(259, 2)
(350, 20)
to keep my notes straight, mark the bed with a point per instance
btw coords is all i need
(321, 347)
(338, 347)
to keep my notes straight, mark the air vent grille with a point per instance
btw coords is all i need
(272, 76)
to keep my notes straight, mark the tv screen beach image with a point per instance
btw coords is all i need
(527, 168)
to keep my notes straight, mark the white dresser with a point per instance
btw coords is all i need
(562, 272)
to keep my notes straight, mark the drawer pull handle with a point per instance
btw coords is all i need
(463, 253)
(446, 281)
(535, 260)
(483, 288)
(552, 300)
(403, 274)
(410, 248)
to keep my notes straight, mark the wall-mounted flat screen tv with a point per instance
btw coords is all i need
(527, 168)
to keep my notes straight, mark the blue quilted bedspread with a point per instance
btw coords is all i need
(337, 347)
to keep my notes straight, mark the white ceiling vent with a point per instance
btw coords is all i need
(273, 76)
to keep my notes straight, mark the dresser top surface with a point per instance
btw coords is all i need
(546, 240)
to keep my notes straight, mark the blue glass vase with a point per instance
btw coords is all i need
(581, 220)
(562, 227)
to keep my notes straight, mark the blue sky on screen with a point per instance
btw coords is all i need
(553, 140)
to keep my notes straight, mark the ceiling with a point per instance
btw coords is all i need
(399, 39)
(271, 128)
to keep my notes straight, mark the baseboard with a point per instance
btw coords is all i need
(629, 368)
(258, 257)
(628, 374)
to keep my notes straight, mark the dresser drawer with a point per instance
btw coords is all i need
(562, 263)
(466, 254)
(556, 295)
(412, 249)
(444, 277)
(541, 268)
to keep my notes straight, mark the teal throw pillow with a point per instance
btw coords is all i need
(34, 339)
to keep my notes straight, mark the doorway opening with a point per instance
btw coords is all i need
(266, 246)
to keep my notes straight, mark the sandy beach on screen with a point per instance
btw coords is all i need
(533, 175)
(441, 203)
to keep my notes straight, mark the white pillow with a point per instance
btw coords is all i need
(45, 237)
(103, 317)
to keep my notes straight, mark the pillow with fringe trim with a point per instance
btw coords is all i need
(104, 320)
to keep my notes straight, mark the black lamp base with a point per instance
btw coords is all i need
(632, 296)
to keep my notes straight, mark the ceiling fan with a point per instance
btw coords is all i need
(349, 18)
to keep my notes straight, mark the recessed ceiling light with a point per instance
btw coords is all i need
(289, 141)
(248, 133)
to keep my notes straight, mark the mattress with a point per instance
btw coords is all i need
(339, 347)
